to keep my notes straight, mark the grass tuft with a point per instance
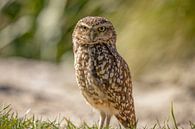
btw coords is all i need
(11, 120)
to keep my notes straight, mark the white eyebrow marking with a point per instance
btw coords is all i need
(83, 24)
(104, 24)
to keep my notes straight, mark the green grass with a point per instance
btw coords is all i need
(11, 120)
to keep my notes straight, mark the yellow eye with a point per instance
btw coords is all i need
(102, 29)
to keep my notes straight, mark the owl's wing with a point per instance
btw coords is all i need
(117, 87)
(112, 76)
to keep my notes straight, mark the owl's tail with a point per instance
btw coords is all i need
(128, 120)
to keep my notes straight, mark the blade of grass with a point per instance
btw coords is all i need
(173, 116)
(154, 126)
(192, 125)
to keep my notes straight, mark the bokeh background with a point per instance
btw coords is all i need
(156, 38)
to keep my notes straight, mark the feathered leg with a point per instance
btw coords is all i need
(102, 119)
(108, 117)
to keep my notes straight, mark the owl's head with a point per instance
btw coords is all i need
(93, 30)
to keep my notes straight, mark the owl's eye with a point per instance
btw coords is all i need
(102, 29)
(83, 28)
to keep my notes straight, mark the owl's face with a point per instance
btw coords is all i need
(93, 30)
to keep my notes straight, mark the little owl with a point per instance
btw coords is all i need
(102, 74)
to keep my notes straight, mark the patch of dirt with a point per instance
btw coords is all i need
(49, 91)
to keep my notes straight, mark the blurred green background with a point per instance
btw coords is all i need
(149, 32)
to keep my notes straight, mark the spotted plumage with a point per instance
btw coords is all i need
(102, 74)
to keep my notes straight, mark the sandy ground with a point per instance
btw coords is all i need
(49, 91)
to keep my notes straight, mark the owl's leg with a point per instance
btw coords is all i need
(108, 117)
(102, 119)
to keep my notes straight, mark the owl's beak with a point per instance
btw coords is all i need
(92, 35)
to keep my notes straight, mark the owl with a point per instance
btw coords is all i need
(102, 75)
